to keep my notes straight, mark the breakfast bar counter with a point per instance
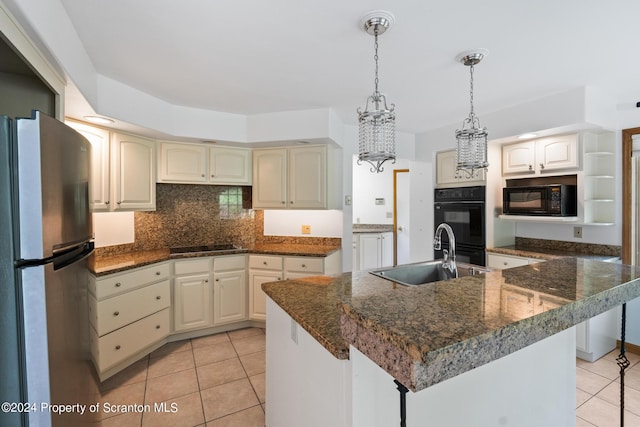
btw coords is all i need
(424, 335)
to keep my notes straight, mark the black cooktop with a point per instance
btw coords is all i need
(203, 248)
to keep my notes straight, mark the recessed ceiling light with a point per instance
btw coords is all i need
(527, 135)
(99, 120)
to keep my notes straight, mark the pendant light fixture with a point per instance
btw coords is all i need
(472, 139)
(377, 126)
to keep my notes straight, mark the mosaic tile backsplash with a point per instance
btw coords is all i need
(189, 215)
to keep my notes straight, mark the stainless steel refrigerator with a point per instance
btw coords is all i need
(45, 239)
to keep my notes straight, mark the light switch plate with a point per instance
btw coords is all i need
(306, 229)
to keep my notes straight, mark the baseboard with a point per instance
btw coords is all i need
(631, 348)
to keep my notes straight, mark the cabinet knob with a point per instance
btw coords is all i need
(206, 281)
(120, 202)
(116, 313)
(213, 176)
(118, 347)
(541, 166)
(118, 284)
(158, 297)
(217, 280)
(264, 262)
(157, 326)
(106, 203)
(530, 167)
(505, 263)
(304, 266)
(158, 273)
(291, 202)
(203, 175)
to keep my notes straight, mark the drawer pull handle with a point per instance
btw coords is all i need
(118, 284)
(158, 297)
(157, 326)
(264, 262)
(118, 347)
(304, 266)
(158, 273)
(116, 313)
(505, 263)
(217, 280)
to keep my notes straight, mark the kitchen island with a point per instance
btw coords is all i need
(493, 349)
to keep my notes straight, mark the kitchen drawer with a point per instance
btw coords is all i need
(119, 345)
(227, 263)
(118, 283)
(311, 265)
(192, 266)
(502, 262)
(265, 262)
(113, 313)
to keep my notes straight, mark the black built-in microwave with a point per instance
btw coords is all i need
(547, 200)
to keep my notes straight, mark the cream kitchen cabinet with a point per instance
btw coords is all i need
(129, 314)
(192, 294)
(123, 176)
(502, 262)
(541, 156)
(292, 178)
(262, 269)
(203, 164)
(100, 164)
(375, 250)
(270, 268)
(447, 174)
(229, 289)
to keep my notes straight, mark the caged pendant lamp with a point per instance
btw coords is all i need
(377, 123)
(471, 139)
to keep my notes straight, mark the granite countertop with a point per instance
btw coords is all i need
(372, 228)
(425, 334)
(554, 249)
(104, 265)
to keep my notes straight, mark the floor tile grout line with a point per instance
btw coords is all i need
(204, 415)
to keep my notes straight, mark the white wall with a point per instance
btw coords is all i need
(289, 223)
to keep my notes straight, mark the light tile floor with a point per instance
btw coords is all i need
(213, 381)
(598, 392)
(219, 381)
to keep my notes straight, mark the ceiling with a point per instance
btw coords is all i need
(258, 56)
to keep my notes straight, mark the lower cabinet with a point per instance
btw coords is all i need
(270, 268)
(192, 294)
(129, 314)
(229, 289)
(374, 250)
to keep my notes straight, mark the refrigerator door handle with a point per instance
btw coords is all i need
(59, 260)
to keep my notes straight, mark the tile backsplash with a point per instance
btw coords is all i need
(189, 215)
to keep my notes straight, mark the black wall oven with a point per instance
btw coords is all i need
(463, 208)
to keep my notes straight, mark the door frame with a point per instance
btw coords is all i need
(395, 213)
(627, 143)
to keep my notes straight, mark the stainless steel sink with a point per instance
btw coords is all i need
(426, 272)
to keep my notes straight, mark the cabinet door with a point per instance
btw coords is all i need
(557, 152)
(519, 158)
(182, 163)
(229, 297)
(270, 178)
(370, 256)
(308, 177)
(257, 298)
(192, 302)
(100, 188)
(446, 168)
(134, 174)
(229, 165)
(386, 249)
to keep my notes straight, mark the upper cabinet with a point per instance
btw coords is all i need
(447, 174)
(203, 164)
(123, 172)
(541, 156)
(292, 178)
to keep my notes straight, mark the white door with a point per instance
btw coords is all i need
(229, 297)
(370, 255)
(402, 218)
(191, 302)
(257, 297)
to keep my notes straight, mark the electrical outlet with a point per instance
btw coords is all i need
(306, 229)
(577, 232)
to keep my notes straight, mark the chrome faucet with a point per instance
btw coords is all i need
(449, 258)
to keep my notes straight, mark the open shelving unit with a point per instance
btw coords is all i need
(599, 184)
